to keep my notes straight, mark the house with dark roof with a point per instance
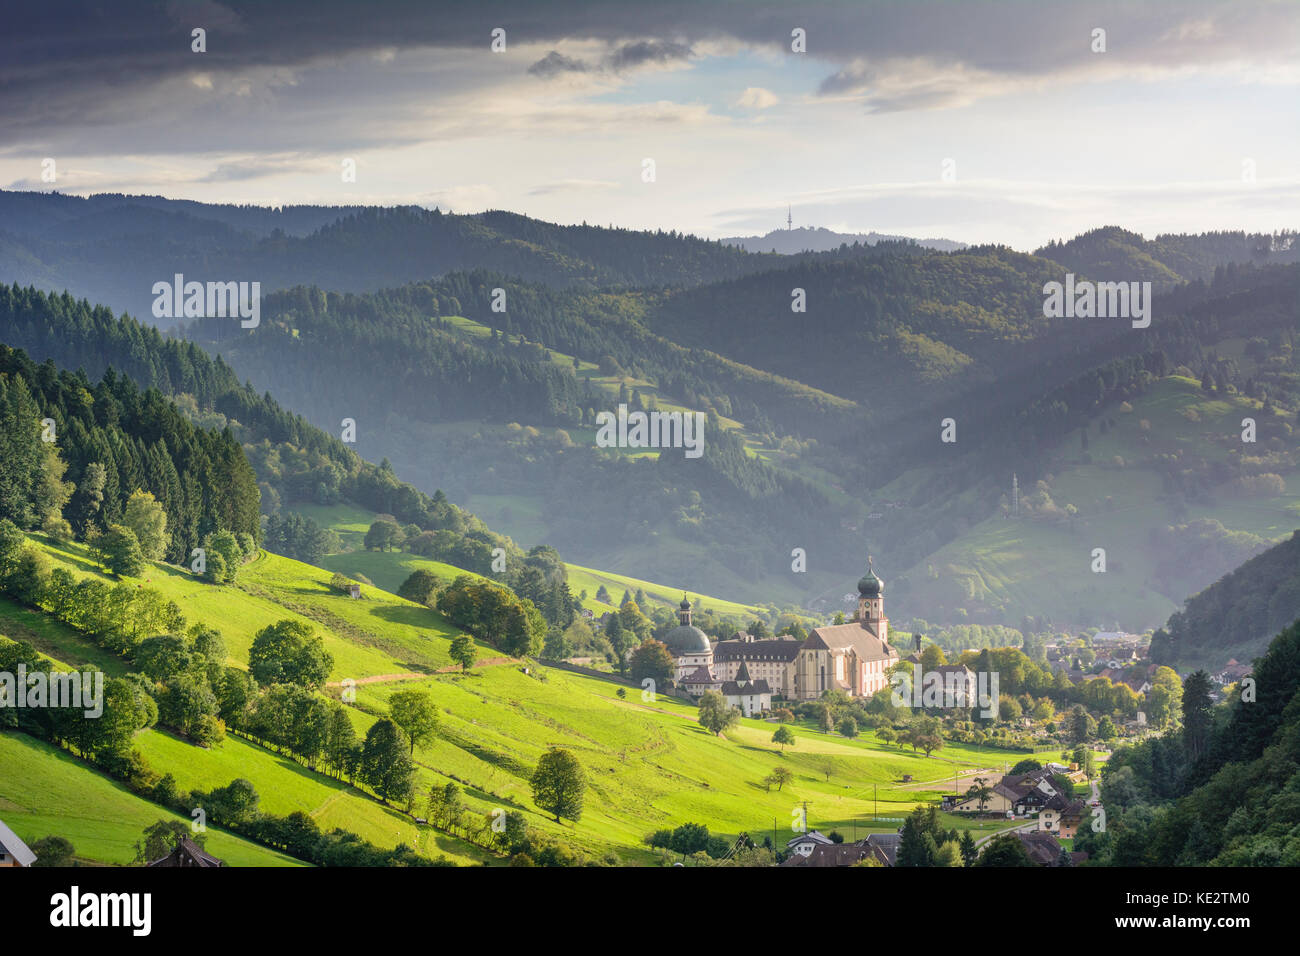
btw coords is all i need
(1020, 794)
(880, 847)
(803, 844)
(1062, 815)
(13, 851)
(188, 853)
(1044, 849)
(752, 697)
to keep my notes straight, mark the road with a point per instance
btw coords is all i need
(1030, 825)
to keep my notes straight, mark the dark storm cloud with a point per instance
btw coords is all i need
(627, 57)
(632, 55)
(555, 63)
(100, 77)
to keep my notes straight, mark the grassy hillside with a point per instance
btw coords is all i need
(1037, 565)
(648, 763)
(388, 569)
(45, 791)
(381, 634)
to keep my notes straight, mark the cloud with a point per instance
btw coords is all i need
(67, 67)
(571, 185)
(757, 98)
(245, 169)
(474, 197)
(629, 56)
(556, 63)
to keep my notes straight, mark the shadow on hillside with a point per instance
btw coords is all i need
(66, 553)
(410, 616)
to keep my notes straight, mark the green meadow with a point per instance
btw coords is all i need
(45, 791)
(388, 569)
(649, 765)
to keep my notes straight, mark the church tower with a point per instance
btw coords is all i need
(871, 604)
(684, 612)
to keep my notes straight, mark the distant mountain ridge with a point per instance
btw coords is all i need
(820, 239)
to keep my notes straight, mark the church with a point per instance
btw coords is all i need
(854, 658)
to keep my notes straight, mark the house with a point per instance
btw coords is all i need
(1061, 816)
(13, 851)
(188, 853)
(882, 847)
(1020, 795)
(354, 590)
(1233, 671)
(751, 696)
(1044, 849)
(804, 843)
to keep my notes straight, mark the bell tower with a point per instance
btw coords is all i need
(871, 603)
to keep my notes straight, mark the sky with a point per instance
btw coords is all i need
(977, 121)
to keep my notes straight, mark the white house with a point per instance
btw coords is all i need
(751, 696)
(804, 843)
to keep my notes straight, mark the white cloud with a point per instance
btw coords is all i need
(757, 98)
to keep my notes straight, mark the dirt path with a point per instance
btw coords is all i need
(412, 675)
(965, 780)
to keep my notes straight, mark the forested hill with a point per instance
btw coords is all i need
(1235, 616)
(112, 249)
(1115, 254)
(294, 460)
(73, 453)
(1222, 792)
(311, 340)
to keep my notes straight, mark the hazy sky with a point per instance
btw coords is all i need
(1161, 132)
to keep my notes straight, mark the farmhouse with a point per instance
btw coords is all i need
(881, 847)
(13, 851)
(851, 657)
(1020, 794)
(1044, 849)
(804, 843)
(1061, 816)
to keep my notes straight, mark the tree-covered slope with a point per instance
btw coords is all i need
(1235, 616)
